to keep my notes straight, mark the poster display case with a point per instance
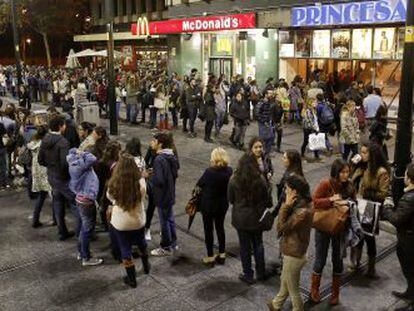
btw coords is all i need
(341, 43)
(321, 44)
(362, 43)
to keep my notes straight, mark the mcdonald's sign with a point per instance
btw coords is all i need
(141, 28)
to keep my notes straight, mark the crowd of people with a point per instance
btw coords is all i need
(120, 188)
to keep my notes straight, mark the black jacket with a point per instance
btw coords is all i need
(214, 183)
(193, 96)
(378, 132)
(210, 105)
(246, 214)
(402, 217)
(52, 154)
(240, 111)
(166, 168)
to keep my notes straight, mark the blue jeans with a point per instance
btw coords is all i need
(62, 194)
(167, 223)
(87, 214)
(118, 107)
(251, 241)
(3, 167)
(267, 134)
(322, 243)
(192, 115)
(125, 240)
(132, 112)
(219, 121)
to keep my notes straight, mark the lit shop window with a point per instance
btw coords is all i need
(321, 43)
(221, 45)
(303, 43)
(401, 40)
(341, 43)
(362, 43)
(384, 43)
(287, 43)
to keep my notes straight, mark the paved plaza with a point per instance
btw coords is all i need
(39, 273)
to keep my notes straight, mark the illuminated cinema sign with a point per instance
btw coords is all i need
(368, 12)
(196, 24)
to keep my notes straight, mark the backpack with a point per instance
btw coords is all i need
(327, 115)
(360, 114)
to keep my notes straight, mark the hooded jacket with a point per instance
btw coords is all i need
(83, 180)
(52, 154)
(166, 168)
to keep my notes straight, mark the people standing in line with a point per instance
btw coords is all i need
(249, 194)
(294, 228)
(40, 185)
(349, 130)
(371, 178)
(166, 168)
(240, 111)
(402, 217)
(214, 204)
(310, 126)
(292, 162)
(265, 122)
(85, 184)
(193, 97)
(220, 109)
(126, 191)
(210, 113)
(331, 193)
(52, 154)
(379, 133)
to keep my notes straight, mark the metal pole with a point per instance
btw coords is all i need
(113, 120)
(402, 156)
(16, 46)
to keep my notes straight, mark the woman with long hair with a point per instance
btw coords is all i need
(294, 227)
(292, 162)
(101, 140)
(331, 193)
(371, 178)
(85, 130)
(310, 126)
(349, 134)
(379, 133)
(126, 191)
(214, 203)
(249, 193)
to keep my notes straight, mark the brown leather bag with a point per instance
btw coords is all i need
(332, 220)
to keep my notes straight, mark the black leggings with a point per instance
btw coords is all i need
(151, 206)
(211, 221)
(306, 134)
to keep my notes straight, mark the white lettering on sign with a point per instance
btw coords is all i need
(217, 24)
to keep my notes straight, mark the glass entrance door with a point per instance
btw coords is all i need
(219, 66)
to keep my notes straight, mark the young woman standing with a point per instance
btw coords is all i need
(349, 134)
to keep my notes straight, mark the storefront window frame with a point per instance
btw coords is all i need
(312, 42)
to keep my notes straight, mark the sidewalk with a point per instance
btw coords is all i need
(39, 273)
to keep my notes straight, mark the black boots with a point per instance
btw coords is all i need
(130, 278)
(145, 264)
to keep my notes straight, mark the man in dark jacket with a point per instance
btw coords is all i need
(240, 111)
(166, 168)
(193, 96)
(52, 155)
(402, 217)
(264, 109)
(277, 120)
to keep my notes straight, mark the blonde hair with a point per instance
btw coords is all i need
(219, 158)
(347, 106)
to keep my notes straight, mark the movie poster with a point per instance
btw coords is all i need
(287, 44)
(362, 43)
(341, 43)
(321, 43)
(303, 43)
(384, 43)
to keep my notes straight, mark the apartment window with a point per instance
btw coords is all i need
(116, 8)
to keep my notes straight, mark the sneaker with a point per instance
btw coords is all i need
(209, 261)
(247, 280)
(92, 262)
(221, 258)
(78, 257)
(161, 252)
(148, 234)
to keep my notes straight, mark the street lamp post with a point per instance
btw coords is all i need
(402, 156)
(16, 46)
(113, 118)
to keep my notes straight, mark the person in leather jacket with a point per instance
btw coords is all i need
(402, 217)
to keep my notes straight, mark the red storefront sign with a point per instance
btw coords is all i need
(197, 24)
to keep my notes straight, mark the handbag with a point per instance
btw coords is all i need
(159, 103)
(267, 220)
(317, 141)
(193, 204)
(332, 220)
(369, 216)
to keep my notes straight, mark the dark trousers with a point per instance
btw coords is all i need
(167, 223)
(305, 143)
(125, 240)
(174, 115)
(348, 148)
(192, 115)
(322, 243)
(61, 194)
(405, 253)
(371, 246)
(251, 242)
(279, 134)
(153, 117)
(40, 200)
(208, 128)
(3, 167)
(87, 214)
(150, 207)
(211, 221)
(185, 122)
(143, 112)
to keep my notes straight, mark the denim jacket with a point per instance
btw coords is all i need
(83, 180)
